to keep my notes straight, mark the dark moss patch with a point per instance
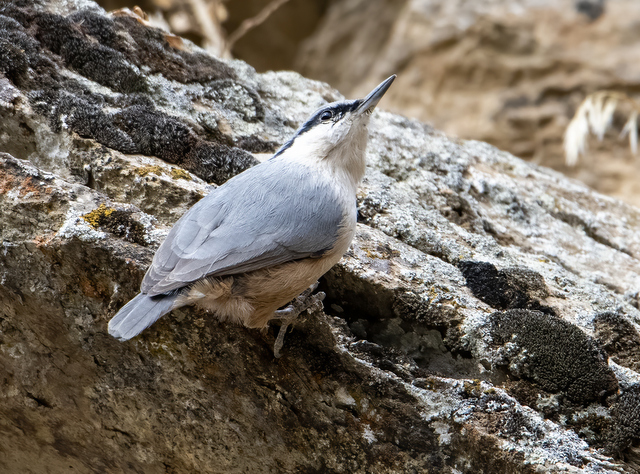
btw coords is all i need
(516, 425)
(140, 45)
(216, 163)
(619, 338)
(255, 144)
(93, 60)
(100, 27)
(237, 97)
(35, 47)
(506, 289)
(155, 133)
(626, 431)
(593, 428)
(152, 49)
(554, 354)
(103, 65)
(17, 50)
(81, 113)
(141, 129)
(525, 392)
(13, 63)
(118, 222)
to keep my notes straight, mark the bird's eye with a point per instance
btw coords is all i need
(326, 115)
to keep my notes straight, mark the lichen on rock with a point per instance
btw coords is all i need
(467, 329)
(554, 354)
(117, 221)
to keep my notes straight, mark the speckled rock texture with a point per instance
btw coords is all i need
(485, 318)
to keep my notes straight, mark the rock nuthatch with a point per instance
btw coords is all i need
(259, 240)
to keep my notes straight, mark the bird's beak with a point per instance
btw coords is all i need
(369, 103)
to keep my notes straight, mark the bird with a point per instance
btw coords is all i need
(258, 241)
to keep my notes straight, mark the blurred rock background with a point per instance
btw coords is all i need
(509, 72)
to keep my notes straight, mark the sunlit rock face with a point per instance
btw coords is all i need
(484, 319)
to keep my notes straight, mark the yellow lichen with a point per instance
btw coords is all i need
(473, 388)
(432, 384)
(179, 173)
(145, 170)
(117, 221)
(95, 217)
(381, 252)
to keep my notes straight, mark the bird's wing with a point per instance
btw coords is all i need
(273, 213)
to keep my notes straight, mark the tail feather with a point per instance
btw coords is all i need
(138, 314)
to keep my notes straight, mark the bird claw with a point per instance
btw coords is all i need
(304, 302)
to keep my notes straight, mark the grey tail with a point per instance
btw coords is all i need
(140, 313)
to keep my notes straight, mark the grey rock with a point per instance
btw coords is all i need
(442, 345)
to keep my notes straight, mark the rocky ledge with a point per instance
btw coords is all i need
(485, 318)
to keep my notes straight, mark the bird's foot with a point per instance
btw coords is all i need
(306, 301)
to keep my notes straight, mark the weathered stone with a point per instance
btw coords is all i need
(404, 371)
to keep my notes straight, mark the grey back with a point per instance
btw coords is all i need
(273, 213)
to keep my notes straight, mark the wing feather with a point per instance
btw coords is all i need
(272, 213)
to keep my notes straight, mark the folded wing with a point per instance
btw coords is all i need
(273, 213)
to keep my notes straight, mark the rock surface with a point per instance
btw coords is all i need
(509, 72)
(485, 318)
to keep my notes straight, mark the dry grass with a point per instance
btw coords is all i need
(595, 115)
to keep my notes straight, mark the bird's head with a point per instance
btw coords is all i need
(336, 134)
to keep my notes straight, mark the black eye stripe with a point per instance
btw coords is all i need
(337, 110)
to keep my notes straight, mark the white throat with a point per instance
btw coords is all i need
(339, 149)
